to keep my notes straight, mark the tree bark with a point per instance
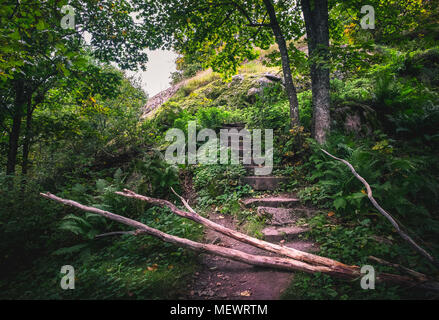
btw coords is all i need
(14, 135)
(288, 79)
(27, 137)
(315, 13)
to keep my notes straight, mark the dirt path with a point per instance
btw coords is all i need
(221, 278)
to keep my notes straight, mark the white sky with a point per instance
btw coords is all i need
(160, 65)
(156, 78)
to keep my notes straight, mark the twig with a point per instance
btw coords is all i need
(185, 203)
(117, 233)
(386, 214)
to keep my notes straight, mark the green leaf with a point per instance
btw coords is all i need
(41, 25)
(340, 203)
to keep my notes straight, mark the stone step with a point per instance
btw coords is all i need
(240, 160)
(276, 234)
(264, 182)
(283, 216)
(277, 216)
(276, 202)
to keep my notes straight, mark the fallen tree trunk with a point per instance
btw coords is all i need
(256, 260)
(262, 261)
(387, 215)
(268, 246)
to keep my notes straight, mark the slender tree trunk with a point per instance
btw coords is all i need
(16, 124)
(27, 136)
(315, 13)
(288, 79)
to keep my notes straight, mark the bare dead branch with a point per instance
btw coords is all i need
(262, 261)
(256, 260)
(404, 235)
(268, 246)
(417, 275)
(185, 203)
(116, 233)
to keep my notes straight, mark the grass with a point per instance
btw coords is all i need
(201, 79)
(129, 268)
(257, 67)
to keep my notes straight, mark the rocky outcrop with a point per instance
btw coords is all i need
(159, 99)
(261, 83)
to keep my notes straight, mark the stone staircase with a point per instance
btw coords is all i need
(259, 183)
(281, 213)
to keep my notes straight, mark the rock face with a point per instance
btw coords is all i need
(355, 118)
(159, 99)
(238, 78)
(262, 82)
(273, 77)
(253, 92)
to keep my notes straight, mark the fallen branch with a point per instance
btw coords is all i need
(256, 260)
(404, 235)
(262, 261)
(268, 246)
(115, 233)
(415, 274)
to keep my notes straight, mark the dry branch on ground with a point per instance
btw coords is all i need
(318, 264)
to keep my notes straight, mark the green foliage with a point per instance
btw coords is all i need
(212, 117)
(85, 227)
(219, 184)
(156, 176)
(259, 116)
(423, 65)
(200, 30)
(352, 243)
(187, 66)
(87, 139)
(403, 183)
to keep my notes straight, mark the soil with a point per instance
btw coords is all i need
(223, 279)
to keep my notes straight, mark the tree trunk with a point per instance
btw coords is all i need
(16, 124)
(27, 136)
(315, 13)
(288, 79)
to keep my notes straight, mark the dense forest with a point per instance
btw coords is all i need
(345, 79)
